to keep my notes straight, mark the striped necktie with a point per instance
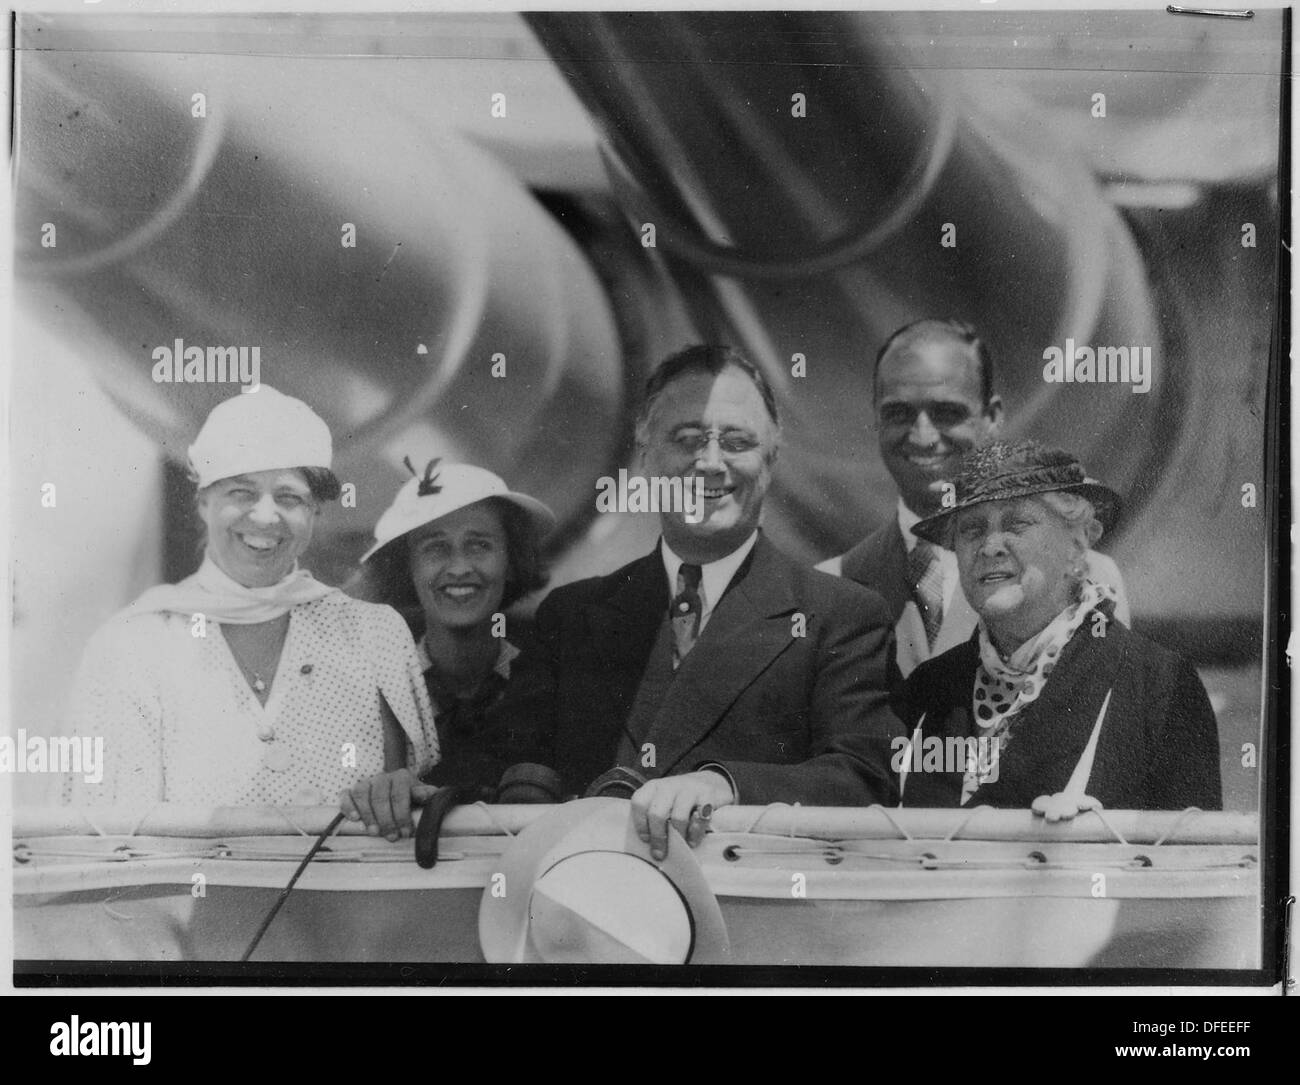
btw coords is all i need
(926, 577)
(686, 610)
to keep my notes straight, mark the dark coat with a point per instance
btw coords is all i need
(793, 718)
(475, 744)
(879, 562)
(476, 741)
(1158, 748)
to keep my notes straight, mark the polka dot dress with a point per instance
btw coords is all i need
(180, 723)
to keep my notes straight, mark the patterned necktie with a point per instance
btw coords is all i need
(686, 610)
(926, 576)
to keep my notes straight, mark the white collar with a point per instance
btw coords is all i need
(502, 665)
(907, 520)
(716, 575)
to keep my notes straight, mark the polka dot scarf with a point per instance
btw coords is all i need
(1004, 687)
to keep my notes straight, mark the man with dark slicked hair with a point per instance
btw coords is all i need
(932, 392)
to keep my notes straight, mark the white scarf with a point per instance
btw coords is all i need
(1004, 687)
(215, 595)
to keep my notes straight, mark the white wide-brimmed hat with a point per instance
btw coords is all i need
(578, 886)
(263, 430)
(442, 489)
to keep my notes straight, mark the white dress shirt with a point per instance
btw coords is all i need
(714, 577)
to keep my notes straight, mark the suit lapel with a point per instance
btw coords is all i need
(880, 562)
(622, 630)
(909, 641)
(624, 624)
(945, 702)
(747, 630)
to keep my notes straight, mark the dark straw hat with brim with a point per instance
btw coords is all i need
(1007, 470)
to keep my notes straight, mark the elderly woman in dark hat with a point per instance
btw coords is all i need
(455, 549)
(250, 682)
(1052, 703)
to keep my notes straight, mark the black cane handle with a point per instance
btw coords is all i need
(426, 832)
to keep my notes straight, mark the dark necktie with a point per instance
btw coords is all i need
(686, 610)
(926, 576)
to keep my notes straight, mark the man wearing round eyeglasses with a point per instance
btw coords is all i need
(934, 401)
(715, 669)
(716, 427)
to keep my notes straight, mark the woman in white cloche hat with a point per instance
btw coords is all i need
(454, 550)
(250, 682)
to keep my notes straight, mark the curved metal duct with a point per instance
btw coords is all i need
(814, 235)
(464, 322)
(820, 233)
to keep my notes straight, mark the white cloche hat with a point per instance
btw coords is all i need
(263, 430)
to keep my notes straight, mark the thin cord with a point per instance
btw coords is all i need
(1100, 814)
(890, 818)
(966, 821)
(292, 824)
(284, 893)
(136, 827)
(1178, 821)
(753, 825)
(494, 819)
(86, 818)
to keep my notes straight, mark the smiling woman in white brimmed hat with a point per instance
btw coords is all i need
(250, 682)
(455, 549)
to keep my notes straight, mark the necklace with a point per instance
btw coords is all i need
(255, 679)
(275, 754)
(259, 671)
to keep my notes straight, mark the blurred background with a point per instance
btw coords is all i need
(498, 170)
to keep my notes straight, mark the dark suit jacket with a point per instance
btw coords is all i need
(792, 718)
(1158, 748)
(879, 562)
